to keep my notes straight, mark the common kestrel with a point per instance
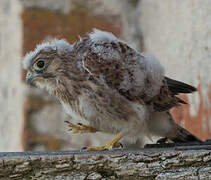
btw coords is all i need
(105, 85)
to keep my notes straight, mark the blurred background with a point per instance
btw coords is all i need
(177, 32)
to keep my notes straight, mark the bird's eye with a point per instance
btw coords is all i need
(39, 65)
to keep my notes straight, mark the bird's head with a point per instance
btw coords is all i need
(44, 63)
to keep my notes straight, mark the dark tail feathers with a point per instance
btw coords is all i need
(177, 87)
(182, 136)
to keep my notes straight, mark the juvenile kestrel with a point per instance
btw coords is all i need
(105, 85)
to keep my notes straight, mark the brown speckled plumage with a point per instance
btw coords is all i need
(104, 83)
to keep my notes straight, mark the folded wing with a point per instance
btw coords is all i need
(136, 76)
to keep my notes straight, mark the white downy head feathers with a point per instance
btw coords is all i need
(60, 46)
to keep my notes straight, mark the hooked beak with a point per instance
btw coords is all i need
(30, 77)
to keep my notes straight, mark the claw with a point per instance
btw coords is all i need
(84, 148)
(121, 145)
(162, 141)
(80, 128)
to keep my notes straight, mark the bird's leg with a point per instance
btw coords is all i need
(114, 143)
(162, 140)
(81, 128)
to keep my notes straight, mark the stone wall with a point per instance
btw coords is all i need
(177, 32)
(11, 87)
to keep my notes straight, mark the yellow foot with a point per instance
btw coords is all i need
(81, 128)
(114, 143)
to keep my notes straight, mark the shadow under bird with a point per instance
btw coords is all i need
(107, 86)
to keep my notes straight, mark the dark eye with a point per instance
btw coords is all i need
(39, 65)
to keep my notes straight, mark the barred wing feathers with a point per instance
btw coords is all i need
(137, 76)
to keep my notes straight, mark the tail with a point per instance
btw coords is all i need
(182, 136)
(177, 87)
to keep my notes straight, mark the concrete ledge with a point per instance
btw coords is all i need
(180, 162)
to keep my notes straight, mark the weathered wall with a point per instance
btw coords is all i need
(177, 32)
(11, 89)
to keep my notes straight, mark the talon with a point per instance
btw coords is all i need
(83, 148)
(80, 128)
(121, 145)
(162, 141)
